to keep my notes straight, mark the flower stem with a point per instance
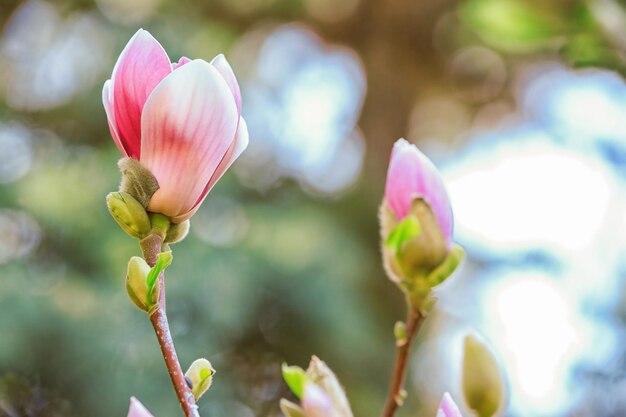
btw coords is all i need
(151, 246)
(396, 390)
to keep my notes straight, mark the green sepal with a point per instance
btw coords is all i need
(160, 224)
(447, 267)
(177, 232)
(296, 378)
(164, 259)
(404, 231)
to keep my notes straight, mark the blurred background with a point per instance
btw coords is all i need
(521, 103)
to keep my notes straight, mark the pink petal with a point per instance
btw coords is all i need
(182, 61)
(188, 125)
(240, 143)
(141, 66)
(107, 100)
(137, 409)
(412, 175)
(448, 408)
(222, 65)
(316, 402)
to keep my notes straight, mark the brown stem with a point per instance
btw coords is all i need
(396, 390)
(151, 246)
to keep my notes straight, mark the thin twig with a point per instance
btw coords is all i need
(396, 390)
(151, 246)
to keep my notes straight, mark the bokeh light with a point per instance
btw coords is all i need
(305, 98)
(537, 200)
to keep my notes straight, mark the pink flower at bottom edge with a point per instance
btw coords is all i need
(137, 409)
(447, 407)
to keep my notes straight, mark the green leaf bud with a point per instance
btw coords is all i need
(129, 214)
(136, 285)
(399, 331)
(200, 373)
(482, 382)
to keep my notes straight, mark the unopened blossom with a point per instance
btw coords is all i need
(137, 409)
(412, 175)
(447, 407)
(416, 226)
(320, 374)
(316, 403)
(182, 121)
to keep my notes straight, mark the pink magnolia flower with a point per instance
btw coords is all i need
(412, 175)
(448, 408)
(137, 409)
(182, 121)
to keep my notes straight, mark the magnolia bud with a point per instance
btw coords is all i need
(137, 285)
(129, 214)
(319, 373)
(319, 390)
(200, 373)
(482, 382)
(137, 180)
(416, 226)
(177, 232)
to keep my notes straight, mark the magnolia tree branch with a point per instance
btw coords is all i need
(396, 390)
(151, 246)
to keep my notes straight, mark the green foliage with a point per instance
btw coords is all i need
(514, 25)
(573, 30)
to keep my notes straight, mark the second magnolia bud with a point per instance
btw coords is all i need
(416, 226)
